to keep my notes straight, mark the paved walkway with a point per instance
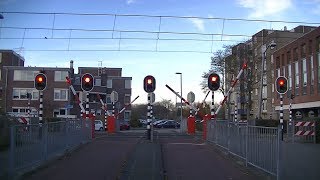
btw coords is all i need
(123, 156)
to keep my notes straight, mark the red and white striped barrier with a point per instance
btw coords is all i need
(23, 120)
(75, 94)
(244, 66)
(304, 132)
(305, 123)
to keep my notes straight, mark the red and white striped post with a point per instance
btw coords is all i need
(106, 113)
(244, 66)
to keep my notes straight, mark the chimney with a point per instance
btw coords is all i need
(285, 28)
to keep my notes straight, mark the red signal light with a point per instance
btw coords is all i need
(149, 81)
(214, 78)
(40, 79)
(87, 79)
(281, 83)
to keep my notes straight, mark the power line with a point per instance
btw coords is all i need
(161, 16)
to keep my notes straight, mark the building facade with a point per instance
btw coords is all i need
(17, 84)
(299, 62)
(7, 58)
(248, 93)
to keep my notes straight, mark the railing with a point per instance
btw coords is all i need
(32, 145)
(257, 146)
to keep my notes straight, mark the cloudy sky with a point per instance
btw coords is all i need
(154, 53)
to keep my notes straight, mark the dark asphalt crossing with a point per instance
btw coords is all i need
(129, 155)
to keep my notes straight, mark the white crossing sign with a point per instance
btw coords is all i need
(114, 96)
(190, 97)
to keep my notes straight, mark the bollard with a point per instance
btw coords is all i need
(206, 118)
(191, 125)
(111, 124)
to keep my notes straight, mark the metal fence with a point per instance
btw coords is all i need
(258, 146)
(31, 145)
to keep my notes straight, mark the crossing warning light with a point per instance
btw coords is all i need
(149, 84)
(214, 82)
(87, 82)
(40, 81)
(281, 85)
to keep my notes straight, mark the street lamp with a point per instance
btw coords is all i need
(264, 59)
(180, 94)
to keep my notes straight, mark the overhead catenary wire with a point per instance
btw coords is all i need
(158, 16)
(124, 33)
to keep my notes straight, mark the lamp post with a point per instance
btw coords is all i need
(264, 59)
(180, 94)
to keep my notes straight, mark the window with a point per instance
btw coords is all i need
(264, 92)
(304, 71)
(60, 75)
(127, 98)
(109, 83)
(127, 114)
(20, 75)
(296, 65)
(21, 94)
(127, 84)
(289, 80)
(265, 79)
(108, 99)
(305, 75)
(59, 112)
(60, 94)
(264, 105)
(97, 82)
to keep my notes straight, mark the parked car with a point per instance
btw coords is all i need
(158, 122)
(168, 124)
(98, 125)
(124, 125)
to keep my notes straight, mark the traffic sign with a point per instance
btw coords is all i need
(114, 96)
(190, 97)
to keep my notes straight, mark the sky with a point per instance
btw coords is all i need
(113, 46)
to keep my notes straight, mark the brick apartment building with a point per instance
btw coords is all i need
(299, 61)
(7, 58)
(58, 101)
(248, 88)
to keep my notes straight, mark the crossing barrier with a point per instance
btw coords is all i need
(304, 131)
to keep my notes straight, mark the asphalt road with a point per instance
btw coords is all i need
(129, 155)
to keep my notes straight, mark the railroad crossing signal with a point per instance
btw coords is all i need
(214, 82)
(40, 81)
(281, 85)
(87, 82)
(149, 84)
